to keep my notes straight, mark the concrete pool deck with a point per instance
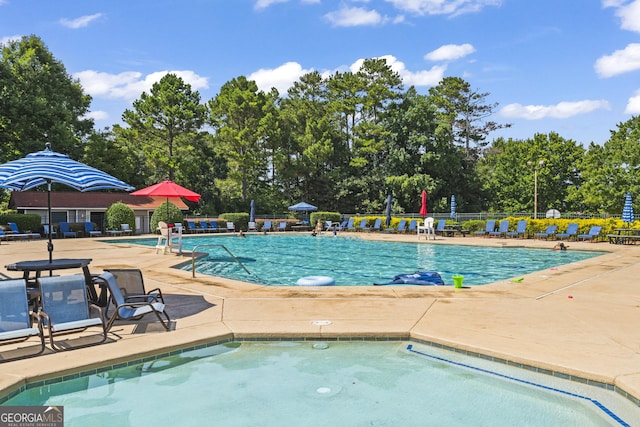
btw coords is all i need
(579, 319)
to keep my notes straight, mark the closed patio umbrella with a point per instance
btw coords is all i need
(627, 210)
(423, 206)
(47, 166)
(388, 211)
(252, 211)
(453, 207)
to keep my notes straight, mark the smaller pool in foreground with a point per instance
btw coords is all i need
(327, 383)
(282, 259)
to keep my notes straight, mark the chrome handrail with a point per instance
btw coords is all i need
(193, 258)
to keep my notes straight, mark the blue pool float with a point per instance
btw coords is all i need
(424, 278)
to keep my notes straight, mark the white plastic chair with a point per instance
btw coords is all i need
(426, 229)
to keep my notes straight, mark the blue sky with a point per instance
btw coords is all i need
(566, 66)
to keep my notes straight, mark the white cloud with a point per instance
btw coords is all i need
(282, 77)
(97, 115)
(633, 105)
(80, 22)
(130, 84)
(561, 110)
(263, 4)
(629, 14)
(8, 39)
(443, 7)
(416, 78)
(353, 17)
(450, 52)
(619, 62)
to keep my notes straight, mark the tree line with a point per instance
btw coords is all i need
(342, 142)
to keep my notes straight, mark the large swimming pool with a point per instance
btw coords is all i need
(327, 383)
(282, 259)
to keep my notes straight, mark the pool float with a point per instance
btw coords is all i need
(316, 281)
(424, 278)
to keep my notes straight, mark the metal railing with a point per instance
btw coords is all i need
(193, 258)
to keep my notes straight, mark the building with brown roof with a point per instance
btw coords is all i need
(74, 206)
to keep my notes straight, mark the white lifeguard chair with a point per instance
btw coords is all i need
(169, 238)
(427, 229)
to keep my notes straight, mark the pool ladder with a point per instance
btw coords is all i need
(235, 258)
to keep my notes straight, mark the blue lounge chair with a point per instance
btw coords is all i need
(266, 226)
(342, 226)
(363, 225)
(521, 228)
(66, 309)
(90, 231)
(131, 310)
(401, 228)
(572, 231)
(65, 231)
(213, 226)
(490, 226)
(548, 233)
(593, 233)
(16, 322)
(413, 226)
(191, 227)
(376, 225)
(15, 232)
(440, 228)
(282, 226)
(502, 230)
(350, 226)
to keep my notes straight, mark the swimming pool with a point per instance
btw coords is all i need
(282, 259)
(326, 383)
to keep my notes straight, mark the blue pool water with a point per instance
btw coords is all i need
(321, 384)
(280, 259)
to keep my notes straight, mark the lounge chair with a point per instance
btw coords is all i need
(282, 226)
(363, 225)
(251, 226)
(215, 227)
(66, 309)
(266, 226)
(593, 233)
(440, 228)
(191, 227)
(490, 226)
(426, 229)
(402, 226)
(572, 231)
(16, 321)
(350, 226)
(131, 310)
(90, 231)
(65, 231)
(15, 232)
(126, 230)
(548, 233)
(413, 226)
(502, 230)
(521, 228)
(132, 286)
(376, 225)
(342, 226)
(231, 226)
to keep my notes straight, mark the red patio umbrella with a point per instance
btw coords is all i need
(423, 207)
(168, 189)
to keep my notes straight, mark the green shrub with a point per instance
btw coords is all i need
(31, 222)
(117, 214)
(239, 219)
(167, 212)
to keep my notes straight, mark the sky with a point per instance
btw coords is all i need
(565, 66)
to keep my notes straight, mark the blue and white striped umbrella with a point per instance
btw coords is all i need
(46, 167)
(627, 209)
(43, 167)
(453, 206)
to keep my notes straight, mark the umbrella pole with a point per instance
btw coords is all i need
(50, 243)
